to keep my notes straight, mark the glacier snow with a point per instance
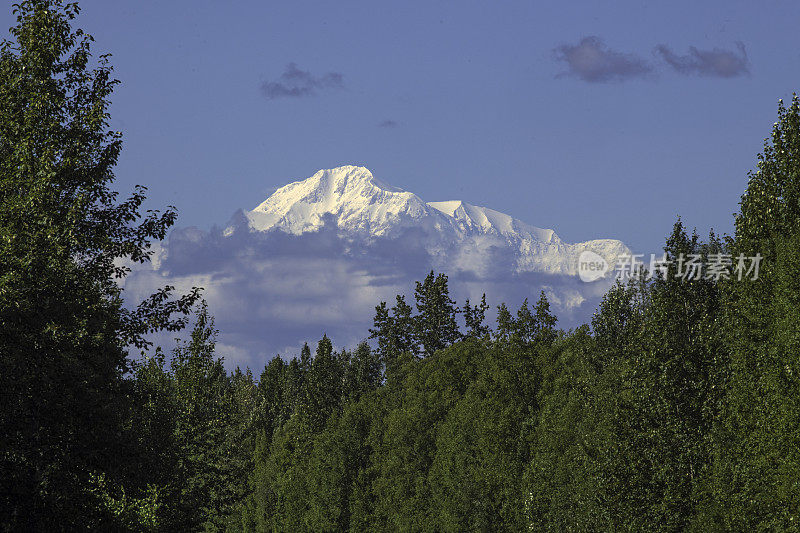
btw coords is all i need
(363, 207)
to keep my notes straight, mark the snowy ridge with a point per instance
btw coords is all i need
(458, 233)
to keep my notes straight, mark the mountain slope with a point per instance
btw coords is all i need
(460, 235)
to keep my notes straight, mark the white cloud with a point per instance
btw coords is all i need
(270, 292)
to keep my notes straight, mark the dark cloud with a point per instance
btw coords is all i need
(388, 123)
(271, 291)
(717, 62)
(592, 61)
(296, 83)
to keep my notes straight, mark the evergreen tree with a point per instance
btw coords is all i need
(272, 409)
(294, 379)
(545, 329)
(240, 441)
(474, 317)
(436, 325)
(506, 325)
(362, 373)
(395, 331)
(305, 358)
(323, 389)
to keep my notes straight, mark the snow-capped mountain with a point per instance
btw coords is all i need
(318, 255)
(456, 234)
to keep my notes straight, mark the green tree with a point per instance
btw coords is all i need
(63, 351)
(395, 332)
(563, 488)
(505, 323)
(202, 481)
(476, 476)
(339, 470)
(403, 438)
(362, 373)
(756, 460)
(435, 323)
(583, 440)
(323, 387)
(474, 317)
(677, 381)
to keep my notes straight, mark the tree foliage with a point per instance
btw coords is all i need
(63, 238)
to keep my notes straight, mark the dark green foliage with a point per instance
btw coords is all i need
(477, 473)
(438, 446)
(362, 372)
(474, 317)
(193, 428)
(204, 405)
(395, 331)
(435, 323)
(399, 331)
(322, 393)
(756, 442)
(65, 333)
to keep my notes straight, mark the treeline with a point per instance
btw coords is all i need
(677, 408)
(650, 418)
(427, 431)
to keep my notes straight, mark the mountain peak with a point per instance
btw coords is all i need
(351, 194)
(342, 178)
(342, 181)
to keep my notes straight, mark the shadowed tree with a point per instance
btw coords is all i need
(63, 241)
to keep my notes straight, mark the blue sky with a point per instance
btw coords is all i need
(468, 100)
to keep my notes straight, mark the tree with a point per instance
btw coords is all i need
(756, 462)
(323, 388)
(435, 323)
(545, 329)
(505, 323)
(563, 489)
(474, 317)
(395, 331)
(65, 332)
(476, 476)
(362, 373)
(404, 434)
(205, 410)
(668, 373)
